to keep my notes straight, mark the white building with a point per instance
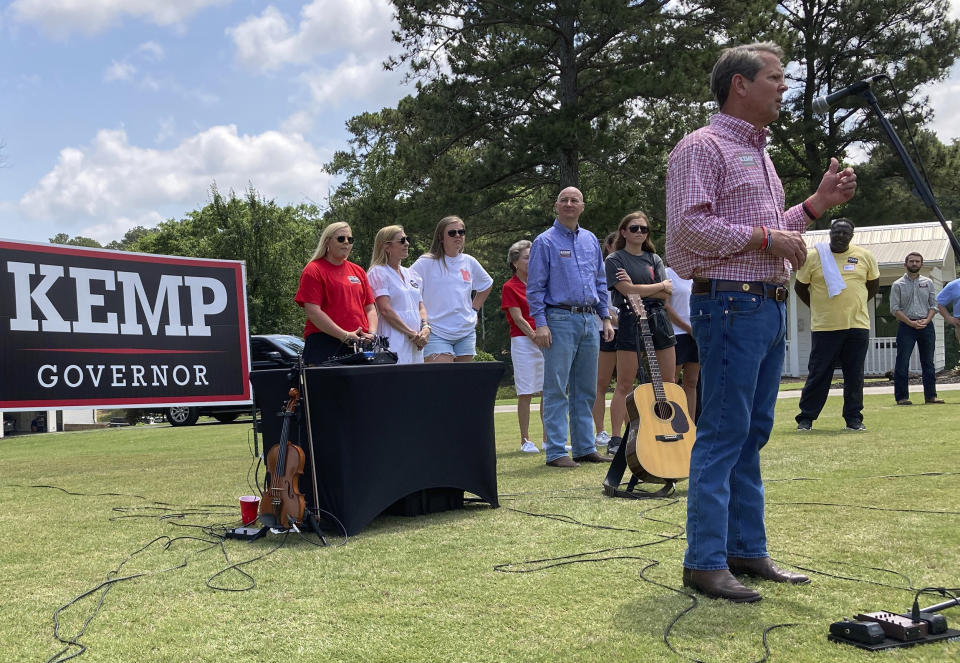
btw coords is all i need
(42, 421)
(890, 246)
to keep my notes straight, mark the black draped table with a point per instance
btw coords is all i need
(409, 438)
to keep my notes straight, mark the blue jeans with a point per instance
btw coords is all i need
(926, 340)
(569, 367)
(741, 342)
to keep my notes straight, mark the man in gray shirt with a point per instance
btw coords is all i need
(913, 303)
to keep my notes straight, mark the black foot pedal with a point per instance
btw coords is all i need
(869, 633)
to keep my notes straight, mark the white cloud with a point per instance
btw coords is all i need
(64, 17)
(354, 78)
(166, 130)
(28, 81)
(170, 85)
(298, 123)
(943, 100)
(115, 228)
(118, 184)
(268, 41)
(119, 71)
(944, 95)
(151, 51)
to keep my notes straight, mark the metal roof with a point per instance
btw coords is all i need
(891, 244)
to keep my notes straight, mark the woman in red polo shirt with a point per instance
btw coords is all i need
(336, 298)
(526, 356)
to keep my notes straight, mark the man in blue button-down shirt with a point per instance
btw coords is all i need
(567, 290)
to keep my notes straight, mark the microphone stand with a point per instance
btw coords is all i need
(926, 195)
(941, 606)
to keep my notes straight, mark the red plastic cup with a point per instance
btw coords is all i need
(249, 507)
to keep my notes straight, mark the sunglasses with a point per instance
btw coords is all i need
(402, 240)
(344, 238)
(458, 231)
(643, 229)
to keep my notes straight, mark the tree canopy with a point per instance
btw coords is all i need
(79, 240)
(834, 44)
(519, 98)
(275, 243)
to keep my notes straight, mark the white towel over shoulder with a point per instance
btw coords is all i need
(835, 282)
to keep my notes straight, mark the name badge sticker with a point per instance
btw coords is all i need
(353, 279)
(565, 253)
(465, 274)
(849, 268)
(747, 160)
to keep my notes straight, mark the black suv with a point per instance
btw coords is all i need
(266, 351)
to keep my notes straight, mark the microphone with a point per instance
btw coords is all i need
(822, 104)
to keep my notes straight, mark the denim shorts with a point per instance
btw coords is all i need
(458, 347)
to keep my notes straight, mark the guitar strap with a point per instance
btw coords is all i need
(617, 467)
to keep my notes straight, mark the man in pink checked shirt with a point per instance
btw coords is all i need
(728, 231)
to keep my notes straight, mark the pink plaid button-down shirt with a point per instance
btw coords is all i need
(721, 184)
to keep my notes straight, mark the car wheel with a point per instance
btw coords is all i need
(182, 416)
(226, 417)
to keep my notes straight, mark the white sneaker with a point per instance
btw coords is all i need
(529, 447)
(602, 438)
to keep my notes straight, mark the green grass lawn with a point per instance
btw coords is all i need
(428, 588)
(506, 395)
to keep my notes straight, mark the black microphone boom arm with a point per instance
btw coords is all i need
(919, 183)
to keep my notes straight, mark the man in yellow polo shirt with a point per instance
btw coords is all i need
(836, 282)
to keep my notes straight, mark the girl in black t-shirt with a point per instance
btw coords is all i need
(634, 268)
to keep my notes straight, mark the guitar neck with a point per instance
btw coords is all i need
(656, 379)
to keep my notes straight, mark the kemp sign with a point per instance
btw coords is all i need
(95, 328)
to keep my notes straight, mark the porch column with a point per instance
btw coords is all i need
(793, 352)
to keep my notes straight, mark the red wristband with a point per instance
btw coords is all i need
(808, 211)
(766, 237)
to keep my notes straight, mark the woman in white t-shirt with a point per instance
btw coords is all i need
(454, 289)
(688, 358)
(396, 290)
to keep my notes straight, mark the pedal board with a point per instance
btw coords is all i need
(936, 624)
(869, 633)
(875, 631)
(246, 533)
(896, 626)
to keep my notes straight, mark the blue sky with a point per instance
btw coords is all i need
(118, 113)
(123, 112)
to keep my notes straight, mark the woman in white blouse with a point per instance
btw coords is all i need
(397, 292)
(455, 286)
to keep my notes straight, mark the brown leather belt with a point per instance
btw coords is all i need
(706, 286)
(572, 309)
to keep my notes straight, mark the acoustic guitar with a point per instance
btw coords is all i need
(661, 432)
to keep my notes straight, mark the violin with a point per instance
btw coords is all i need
(283, 499)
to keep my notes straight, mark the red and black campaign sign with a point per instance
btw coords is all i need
(96, 328)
